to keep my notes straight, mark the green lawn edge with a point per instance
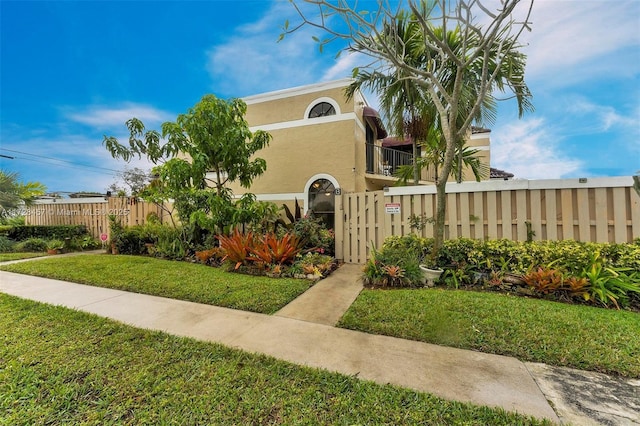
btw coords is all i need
(177, 280)
(60, 366)
(535, 330)
(6, 257)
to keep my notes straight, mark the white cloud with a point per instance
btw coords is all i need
(603, 117)
(344, 66)
(107, 117)
(251, 61)
(529, 149)
(572, 40)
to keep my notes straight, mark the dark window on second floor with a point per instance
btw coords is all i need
(322, 110)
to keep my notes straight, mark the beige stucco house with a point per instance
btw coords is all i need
(324, 144)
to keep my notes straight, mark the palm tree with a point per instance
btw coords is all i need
(14, 193)
(402, 99)
(410, 103)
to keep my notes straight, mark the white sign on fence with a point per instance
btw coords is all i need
(392, 208)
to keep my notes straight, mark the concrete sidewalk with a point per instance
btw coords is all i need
(454, 374)
(303, 333)
(328, 299)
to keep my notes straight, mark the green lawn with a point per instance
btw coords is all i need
(177, 280)
(582, 337)
(59, 366)
(4, 257)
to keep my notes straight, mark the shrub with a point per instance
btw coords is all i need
(621, 255)
(314, 235)
(55, 244)
(456, 252)
(603, 273)
(88, 243)
(392, 266)
(169, 243)
(131, 241)
(32, 245)
(6, 245)
(60, 232)
(412, 244)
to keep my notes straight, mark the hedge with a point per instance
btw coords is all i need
(60, 232)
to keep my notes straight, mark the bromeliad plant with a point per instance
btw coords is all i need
(548, 281)
(313, 263)
(271, 250)
(392, 266)
(604, 274)
(393, 276)
(212, 257)
(263, 252)
(238, 247)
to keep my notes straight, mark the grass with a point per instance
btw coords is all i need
(59, 366)
(535, 330)
(5, 257)
(176, 280)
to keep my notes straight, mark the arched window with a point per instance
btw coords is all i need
(322, 201)
(322, 109)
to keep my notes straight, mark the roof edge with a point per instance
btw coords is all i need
(295, 91)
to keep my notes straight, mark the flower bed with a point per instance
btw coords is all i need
(600, 274)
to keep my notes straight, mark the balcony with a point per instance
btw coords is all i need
(383, 162)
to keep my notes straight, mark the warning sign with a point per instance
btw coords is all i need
(392, 208)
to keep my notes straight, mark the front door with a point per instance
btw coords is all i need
(322, 201)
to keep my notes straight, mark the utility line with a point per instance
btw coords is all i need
(56, 159)
(81, 167)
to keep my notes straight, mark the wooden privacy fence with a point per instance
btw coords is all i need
(588, 210)
(91, 212)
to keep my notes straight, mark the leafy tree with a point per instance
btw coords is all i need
(458, 76)
(197, 157)
(135, 180)
(14, 194)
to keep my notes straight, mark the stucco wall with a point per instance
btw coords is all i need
(297, 154)
(303, 147)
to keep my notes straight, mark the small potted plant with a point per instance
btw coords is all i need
(431, 274)
(430, 271)
(55, 246)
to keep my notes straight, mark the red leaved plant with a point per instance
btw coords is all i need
(211, 256)
(273, 250)
(238, 247)
(544, 280)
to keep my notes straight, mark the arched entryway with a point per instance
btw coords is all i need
(321, 199)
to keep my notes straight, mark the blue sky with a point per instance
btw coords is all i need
(73, 71)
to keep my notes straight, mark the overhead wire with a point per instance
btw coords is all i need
(74, 165)
(57, 163)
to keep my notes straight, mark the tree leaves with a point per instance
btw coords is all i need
(212, 138)
(13, 193)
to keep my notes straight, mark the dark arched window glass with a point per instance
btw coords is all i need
(322, 110)
(322, 201)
